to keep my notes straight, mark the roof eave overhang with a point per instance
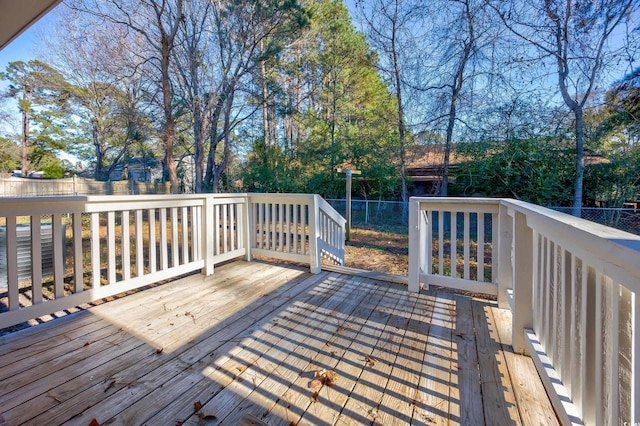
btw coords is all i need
(18, 15)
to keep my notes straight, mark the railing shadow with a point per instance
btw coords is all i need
(398, 355)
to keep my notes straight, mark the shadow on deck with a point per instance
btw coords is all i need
(250, 338)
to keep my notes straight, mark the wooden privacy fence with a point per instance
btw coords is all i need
(573, 287)
(21, 187)
(119, 243)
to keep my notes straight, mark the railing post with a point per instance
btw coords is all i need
(415, 245)
(505, 251)
(522, 312)
(249, 227)
(207, 235)
(314, 234)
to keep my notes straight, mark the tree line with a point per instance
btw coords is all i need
(274, 95)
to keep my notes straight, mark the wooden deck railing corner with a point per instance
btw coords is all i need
(573, 288)
(114, 244)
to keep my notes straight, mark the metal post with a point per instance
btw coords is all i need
(349, 174)
(348, 230)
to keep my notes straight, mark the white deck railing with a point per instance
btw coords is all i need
(113, 244)
(573, 288)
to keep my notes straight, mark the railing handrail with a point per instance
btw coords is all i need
(331, 212)
(620, 249)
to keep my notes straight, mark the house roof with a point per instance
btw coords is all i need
(17, 16)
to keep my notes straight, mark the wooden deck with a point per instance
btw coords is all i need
(249, 338)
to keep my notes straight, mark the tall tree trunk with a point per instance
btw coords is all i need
(26, 124)
(456, 88)
(401, 124)
(168, 137)
(220, 168)
(265, 106)
(198, 140)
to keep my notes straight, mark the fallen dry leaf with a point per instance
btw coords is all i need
(94, 422)
(241, 368)
(315, 383)
(159, 350)
(370, 361)
(255, 383)
(315, 397)
(327, 377)
(197, 406)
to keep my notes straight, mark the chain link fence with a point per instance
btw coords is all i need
(374, 213)
(624, 219)
(394, 214)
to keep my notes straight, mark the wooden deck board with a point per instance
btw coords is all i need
(532, 408)
(245, 342)
(497, 393)
(364, 402)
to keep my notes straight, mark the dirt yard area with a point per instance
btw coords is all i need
(380, 250)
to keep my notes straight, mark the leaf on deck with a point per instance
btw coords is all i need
(315, 397)
(315, 383)
(370, 361)
(94, 422)
(326, 377)
(197, 406)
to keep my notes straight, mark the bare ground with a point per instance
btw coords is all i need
(378, 250)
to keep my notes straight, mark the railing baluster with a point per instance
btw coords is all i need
(139, 243)
(599, 394)
(184, 219)
(428, 236)
(480, 248)
(466, 248)
(281, 227)
(111, 247)
(572, 324)
(546, 318)
(579, 342)
(12, 263)
(635, 359)
(175, 242)
(164, 243)
(556, 317)
(216, 229)
(225, 227)
(614, 347)
(440, 242)
(126, 249)
(565, 339)
(95, 250)
(36, 259)
(304, 209)
(196, 232)
(453, 243)
(78, 261)
(152, 241)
